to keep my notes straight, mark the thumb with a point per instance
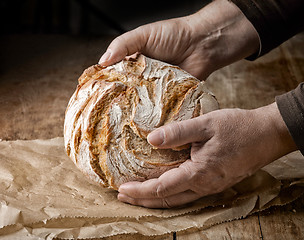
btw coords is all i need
(179, 133)
(124, 45)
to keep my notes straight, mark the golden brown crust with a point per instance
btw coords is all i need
(114, 109)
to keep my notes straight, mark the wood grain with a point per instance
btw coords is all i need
(245, 229)
(39, 74)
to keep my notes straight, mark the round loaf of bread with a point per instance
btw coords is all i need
(113, 110)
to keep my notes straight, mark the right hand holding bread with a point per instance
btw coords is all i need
(227, 146)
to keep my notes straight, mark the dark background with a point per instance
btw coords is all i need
(45, 45)
(87, 17)
(30, 29)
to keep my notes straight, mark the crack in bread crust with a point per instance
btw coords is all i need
(113, 110)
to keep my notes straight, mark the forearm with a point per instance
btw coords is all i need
(225, 34)
(275, 132)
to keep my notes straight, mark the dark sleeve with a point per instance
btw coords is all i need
(274, 20)
(291, 106)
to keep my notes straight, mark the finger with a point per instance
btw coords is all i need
(179, 133)
(167, 202)
(124, 45)
(169, 183)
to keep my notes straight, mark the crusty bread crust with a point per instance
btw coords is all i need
(114, 109)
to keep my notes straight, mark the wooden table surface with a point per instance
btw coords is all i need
(39, 73)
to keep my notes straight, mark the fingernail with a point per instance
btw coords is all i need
(105, 57)
(156, 138)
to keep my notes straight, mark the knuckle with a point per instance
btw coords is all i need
(166, 203)
(160, 191)
(173, 132)
(117, 41)
(178, 131)
(119, 45)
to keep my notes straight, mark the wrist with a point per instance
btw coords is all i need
(224, 33)
(277, 134)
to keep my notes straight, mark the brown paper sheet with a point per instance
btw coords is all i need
(44, 196)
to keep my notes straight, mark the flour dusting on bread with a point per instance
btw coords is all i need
(113, 110)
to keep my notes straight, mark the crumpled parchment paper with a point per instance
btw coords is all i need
(44, 196)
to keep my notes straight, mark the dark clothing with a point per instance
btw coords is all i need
(291, 106)
(276, 21)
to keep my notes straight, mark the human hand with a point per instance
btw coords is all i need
(227, 146)
(214, 37)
